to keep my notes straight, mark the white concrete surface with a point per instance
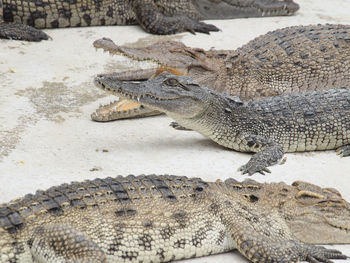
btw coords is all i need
(47, 96)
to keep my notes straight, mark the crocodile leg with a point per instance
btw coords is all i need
(344, 150)
(155, 22)
(256, 248)
(269, 154)
(19, 31)
(61, 243)
(263, 235)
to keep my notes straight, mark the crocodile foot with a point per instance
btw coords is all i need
(344, 150)
(178, 24)
(267, 153)
(201, 27)
(279, 246)
(21, 32)
(252, 167)
(155, 22)
(317, 254)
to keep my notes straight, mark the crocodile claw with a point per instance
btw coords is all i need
(193, 26)
(177, 126)
(251, 168)
(202, 27)
(343, 151)
(191, 30)
(264, 170)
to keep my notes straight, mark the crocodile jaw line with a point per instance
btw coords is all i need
(142, 98)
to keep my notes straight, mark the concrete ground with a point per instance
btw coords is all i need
(47, 96)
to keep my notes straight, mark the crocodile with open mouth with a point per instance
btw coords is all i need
(269, 127)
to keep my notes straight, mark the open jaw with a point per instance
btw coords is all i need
(171, 56)
(134, 91)
(164, 53)
(137, 54)
(127, 109)
(227, 9)
(177, 96)
(122, 109)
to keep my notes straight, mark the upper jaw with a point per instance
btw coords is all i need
(130, 90)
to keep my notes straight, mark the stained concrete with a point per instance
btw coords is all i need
(47, 96)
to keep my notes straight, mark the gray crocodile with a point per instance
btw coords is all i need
(21, 19)
(287, 60)
(164, 218)
(308, 121)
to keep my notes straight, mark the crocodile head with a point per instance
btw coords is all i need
(169, 54)
(314, 215)
(227, 9)
(202, 66)
(318, 215)
(178, 96)
(164, 53)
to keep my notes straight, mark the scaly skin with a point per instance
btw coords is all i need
(287, 60)
(309, 121)
(164, 218)
(155, 16)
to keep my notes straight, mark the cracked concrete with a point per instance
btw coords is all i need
(47, 96)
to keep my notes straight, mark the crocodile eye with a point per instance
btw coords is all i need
(171, 82)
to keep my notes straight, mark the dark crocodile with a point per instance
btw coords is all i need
(165, 218)
(287, 60)
(308, 121)
(21, 19)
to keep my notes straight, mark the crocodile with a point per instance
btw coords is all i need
(269, 127)
(160, 218)
(287, 60)
(22, 19)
